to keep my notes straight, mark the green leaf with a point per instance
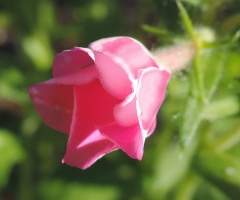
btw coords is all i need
(158, 31)
(233, 69)
(38, 48)
(194, 2)
(187, 187)
(191, 120)
(58, 189)
(166, 174)
(211, 63)
(230, 24)
(229, 140)
(221, 108)
(11, 153)
(208, 191)
(205, 78)
(221, 169)
(5, 20)
(46, 21)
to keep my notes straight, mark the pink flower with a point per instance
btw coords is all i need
(104, 97)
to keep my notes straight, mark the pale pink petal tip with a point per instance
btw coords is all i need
(127, 49)
(118, 61)
(151, 93)
(70, 61)
(113, 75)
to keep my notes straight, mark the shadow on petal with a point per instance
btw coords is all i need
(86, 153)
(113, 76)
(129, 139)
(54, 103)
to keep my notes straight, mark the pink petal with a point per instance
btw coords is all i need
(81, 77)
(125, 113)
(73, 60)
(150, 95)
(93, 108)
(112, 75)
(129, 139)
(54, 103)
(85, 154)
(142, 105)
(125, 49)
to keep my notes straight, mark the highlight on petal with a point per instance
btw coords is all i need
(54, 103)
(129, 139)
(150, 95)
(113, 75)
(142, 105)
(152, 127)
(73, 60)
(85, 154)
(125, 49)
(125, 113)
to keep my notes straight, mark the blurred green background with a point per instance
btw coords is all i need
(206, 116)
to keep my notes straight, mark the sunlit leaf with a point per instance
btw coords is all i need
(191, 120)
(211, 63)
(203, 4)
(221, 108)
(11, 153)
(57, 189)
(223, 170)
(233, 65)
(208, 191)
(11, 75)
(204, 81)
(167, 175)
(229, 140)
(37, 47)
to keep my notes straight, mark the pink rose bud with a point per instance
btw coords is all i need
(174, 58)
(105, 97)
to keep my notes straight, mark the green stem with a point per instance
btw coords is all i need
(198, 76)
(198, 45)
(186, 19)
